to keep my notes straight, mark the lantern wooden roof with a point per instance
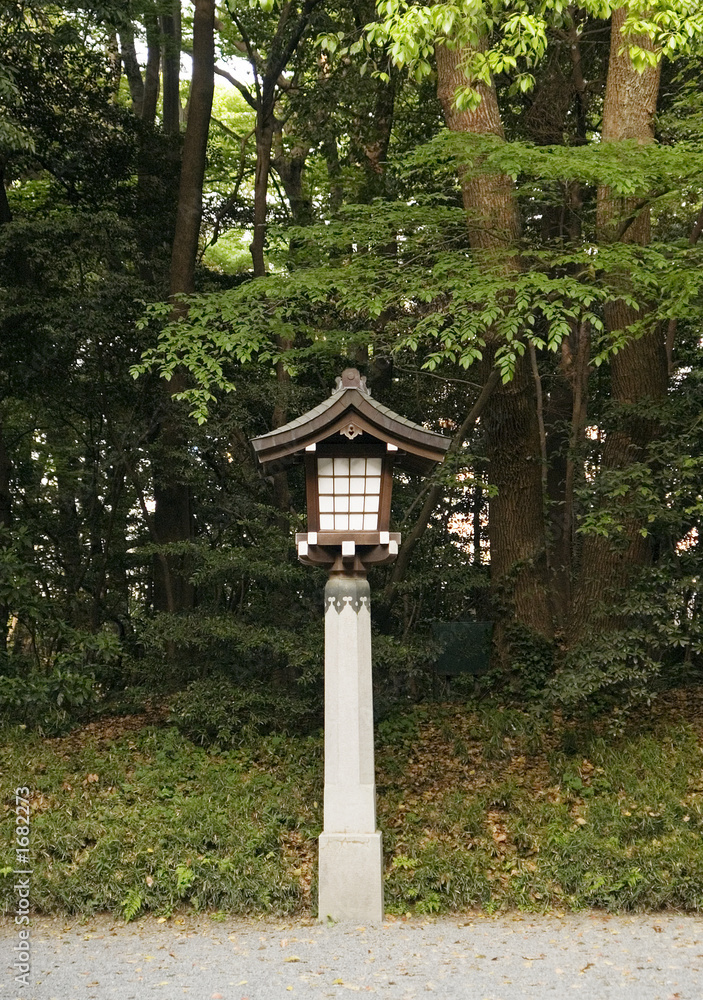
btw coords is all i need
(351, 411)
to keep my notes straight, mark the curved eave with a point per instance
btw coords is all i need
(419, 449)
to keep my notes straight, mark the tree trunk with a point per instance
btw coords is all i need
(516, 521)
(565, 418)
(489, 199)
(173, 510)
(190, 194)
(65, 527)
(151, 73)
(131, 68)
(265, 130)
(290, 167)
(639, 370)
(5, 212)
(284, 43)
(173, 518)
(264, 141)
(375, 138)
(115, 62)
(171, 65)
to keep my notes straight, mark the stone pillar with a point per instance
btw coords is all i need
(351, 853)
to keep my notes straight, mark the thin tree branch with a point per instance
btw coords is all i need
(540, 414)
(418, 529)
(251, 52)
(632, 217)
(673, 323)
(251, 101)
(277, 67)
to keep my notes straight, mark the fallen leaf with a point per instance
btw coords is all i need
(291, 958)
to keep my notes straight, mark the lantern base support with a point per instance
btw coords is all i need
(363, 549)
(351, 877)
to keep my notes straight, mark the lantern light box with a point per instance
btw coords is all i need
(350, 444)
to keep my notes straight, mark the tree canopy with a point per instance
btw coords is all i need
(207, 210)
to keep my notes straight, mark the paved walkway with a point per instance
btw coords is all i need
(472, 957)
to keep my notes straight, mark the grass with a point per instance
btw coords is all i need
(491, 808)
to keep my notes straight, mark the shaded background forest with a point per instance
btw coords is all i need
(188, 260)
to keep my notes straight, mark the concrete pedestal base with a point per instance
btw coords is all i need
(351, 857)
(351, 877)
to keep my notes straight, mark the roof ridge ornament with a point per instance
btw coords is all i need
(351, 379)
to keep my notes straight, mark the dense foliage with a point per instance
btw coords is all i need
(427, 192)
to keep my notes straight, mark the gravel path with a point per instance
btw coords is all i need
(470, 957)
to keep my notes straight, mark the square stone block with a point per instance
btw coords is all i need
(351, 877)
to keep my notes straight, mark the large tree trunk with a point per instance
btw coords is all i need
(173, 511)
(639, 370)
(171, 67)
(516, 520)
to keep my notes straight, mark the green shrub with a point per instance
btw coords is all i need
(216, 711)
(47, 702)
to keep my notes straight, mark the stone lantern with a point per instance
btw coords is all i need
(350, 445)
